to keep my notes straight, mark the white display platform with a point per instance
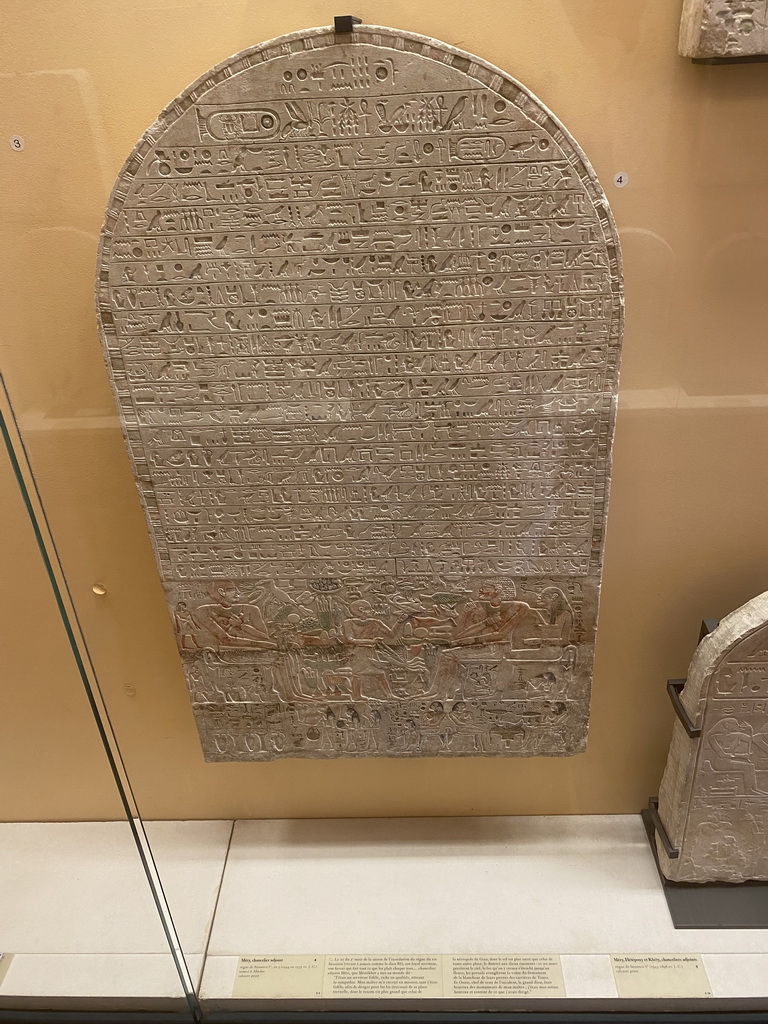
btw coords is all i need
(79, 918)
(584, 887)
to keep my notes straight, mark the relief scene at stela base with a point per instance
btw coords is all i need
(411, 670)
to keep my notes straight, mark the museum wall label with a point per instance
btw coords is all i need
(361, 301)
(713, 800)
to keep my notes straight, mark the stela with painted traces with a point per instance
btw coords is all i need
(713, 799)
(361, 301)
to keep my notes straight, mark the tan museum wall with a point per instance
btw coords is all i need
(687, 538)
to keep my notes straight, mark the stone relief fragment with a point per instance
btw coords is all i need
(724, 28)
(361, 301)
(713, 800)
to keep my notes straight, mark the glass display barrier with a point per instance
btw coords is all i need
(85, 919)
(343, 574)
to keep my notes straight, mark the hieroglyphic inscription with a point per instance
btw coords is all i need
(714, 795)
(724, 28)
(362, 307)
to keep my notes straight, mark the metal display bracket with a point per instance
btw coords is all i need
(344, 24)
(675, 687)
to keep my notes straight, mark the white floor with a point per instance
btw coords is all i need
(585, 887)
(78, 917)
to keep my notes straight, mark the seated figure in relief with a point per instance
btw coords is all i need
(557, 614)
(233, 623)
(731, 753)
(489, 619)
(363, 627)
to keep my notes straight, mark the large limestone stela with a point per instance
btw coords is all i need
(361, 302)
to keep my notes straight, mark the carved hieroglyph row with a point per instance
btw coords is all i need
(714, 795)
(361, 301)
(724, 28)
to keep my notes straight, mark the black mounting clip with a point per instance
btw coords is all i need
(671, 851)
(675, 686)
(343, 24)
(674, 689)
(707, 627)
